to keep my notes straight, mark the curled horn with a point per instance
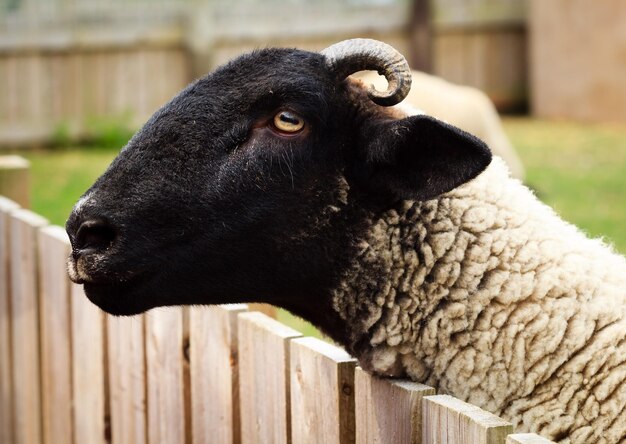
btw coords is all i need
(350, 56)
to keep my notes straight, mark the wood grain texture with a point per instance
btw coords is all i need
(527, 438)
(83, 85)
(267, 309)
(187, 374)
(54, 329)
(322, 392)
(492, 59)
(127, 379)
(88, 368)
(15, 179)
(388, 410)
(6, 379)
(264, 379)
(447, 419)
(214, 373)
(164, 358)
(25, 326)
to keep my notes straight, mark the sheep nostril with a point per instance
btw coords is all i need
(93, 236)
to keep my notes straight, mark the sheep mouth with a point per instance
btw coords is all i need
(119, 298)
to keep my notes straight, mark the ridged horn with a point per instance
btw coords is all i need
(349, 56)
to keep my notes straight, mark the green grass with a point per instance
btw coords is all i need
(60, 176)
(578, 169)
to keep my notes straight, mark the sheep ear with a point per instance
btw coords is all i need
(419, 157)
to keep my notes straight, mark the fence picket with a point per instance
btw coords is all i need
(15, 179)
(264, 379)
(164, 357)
(527, 438)
(267, 309)
(6, 380)
(54, 328)
(388, 410)
(25, 326)
(127, 379)
(214, 373)
(88, 377)
(187, 374)
(322, 392)
(447, 419)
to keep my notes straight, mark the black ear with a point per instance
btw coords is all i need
(418, 157)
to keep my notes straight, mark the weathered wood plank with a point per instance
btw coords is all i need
(485, 427)
(54, 328)
(164, 357)
(187, 374)
(88, 377)
(6, 379)
(267, 309)
(214, 373)
(25, 326)
(527, 438)
(447, 419)
(322, 392)
(127, 379)
(15, 179)
(263, 345)
(388, 410)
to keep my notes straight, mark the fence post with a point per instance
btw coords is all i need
(322, 392)
(447, 419)
(15, 179)
(25, 326)
(267, 309)
(165, 387)
(264, 379)
(214, 374)
(388, 410)
(88, 368)
(527, 438)
(54, 325)
(6, 380)
(127, 379)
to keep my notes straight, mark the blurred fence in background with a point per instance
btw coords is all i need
(65, 63)
(578, 59)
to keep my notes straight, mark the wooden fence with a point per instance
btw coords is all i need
(224, 374)
(64, 64)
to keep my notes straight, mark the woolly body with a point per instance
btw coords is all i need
(486, 294)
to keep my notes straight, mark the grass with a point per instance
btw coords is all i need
(578, 169)
(60, 176)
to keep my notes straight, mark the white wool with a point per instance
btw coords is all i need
(486, 294)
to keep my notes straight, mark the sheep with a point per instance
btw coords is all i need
(274, 179)
(462, 106)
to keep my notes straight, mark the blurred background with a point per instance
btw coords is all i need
(77, 77)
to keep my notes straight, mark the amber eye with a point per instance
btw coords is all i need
(288, 122)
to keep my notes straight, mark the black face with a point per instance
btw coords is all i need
(252, 185)
(218, 198)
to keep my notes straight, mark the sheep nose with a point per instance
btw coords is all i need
(93, 236)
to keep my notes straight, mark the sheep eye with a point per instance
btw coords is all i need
(288, 122)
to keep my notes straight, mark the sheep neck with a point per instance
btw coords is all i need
(483, 293)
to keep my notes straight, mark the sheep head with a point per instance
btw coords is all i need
(255, 184)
